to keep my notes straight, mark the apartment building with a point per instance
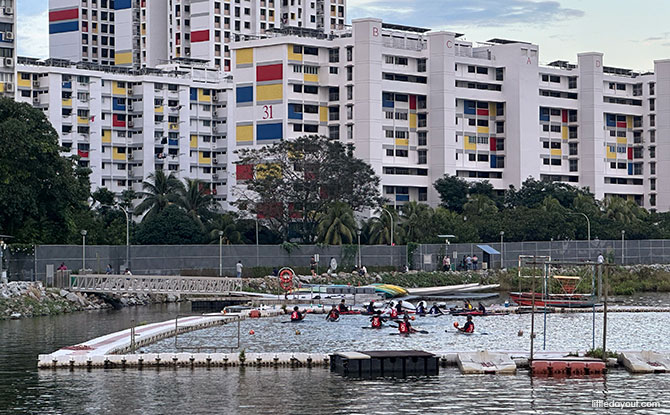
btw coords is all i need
(7, 47)
(419, 104)
(141, 33)
(126, 124)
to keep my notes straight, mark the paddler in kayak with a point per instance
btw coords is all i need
(342, 308)
(404, 327)
(467, 305)
(370, 307)
(333, 314)
(377, 320)
(435, 310)
(421, 308)
(469, 326)
(296, 315)
(481, 308)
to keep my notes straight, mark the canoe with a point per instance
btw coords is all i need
(553, 300)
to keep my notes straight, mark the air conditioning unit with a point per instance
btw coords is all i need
(9, 87)
(215, 97)
(131, 124)
(9, 10)
(215, 176)
(9, 62)
(130, 156)
(9, 36)
(215, 161)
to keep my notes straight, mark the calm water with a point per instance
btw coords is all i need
(314, 391)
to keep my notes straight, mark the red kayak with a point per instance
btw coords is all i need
(350, 312)
(553, 300)
(475, 313)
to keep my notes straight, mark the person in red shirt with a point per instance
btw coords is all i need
(469, 326)
(377, 320)
(296, 315)
(404, 327)
(333, 314)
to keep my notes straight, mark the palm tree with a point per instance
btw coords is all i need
(380, 229)
(158, 192)
(337, 226)
(196, 201)
(620, 210)
(226, 223)
(416, 221)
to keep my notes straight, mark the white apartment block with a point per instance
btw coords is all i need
(419, 104)
(142, 33)
(125, 124)
(7, 47)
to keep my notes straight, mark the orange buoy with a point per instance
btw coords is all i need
(456, 324)
(413, 318)
(252, 331)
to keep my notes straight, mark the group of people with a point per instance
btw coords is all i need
(469, 263)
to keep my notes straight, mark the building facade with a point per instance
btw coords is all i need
(7, 47)
(141, 33)
(124, 125)
(420, 104)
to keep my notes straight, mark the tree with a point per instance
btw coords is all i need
(196, 201)
(416, 222)
(171, 226)
(158, 193)
(533, 192)
(228, 224)
(379, 228)
(453, 192)
(337, 225)
(42, 194)
(294, 181)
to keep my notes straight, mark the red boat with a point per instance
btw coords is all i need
(553, 300)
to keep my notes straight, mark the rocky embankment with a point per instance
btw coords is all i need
(30, 299)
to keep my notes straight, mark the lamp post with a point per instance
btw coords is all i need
(83, 251)
(502, 249)
(360, 262)
(220, 253)
(623, 247)
(588, 229)
(391, 217)
(125, 212)
(257, 264)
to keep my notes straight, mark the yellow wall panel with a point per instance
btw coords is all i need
(272, 92)
(483, 130)
(555, 151)
(412, 120)
(106, 136)
(202, 97)
(124, 58)
(402, 142)
(194, 141)
(23, 82)
(202, 159)
(492, 109)
(629, 121)
(323, 114)
(293, 56)
(82, 120)
(67, 102)
(468, 145)
(118, 156)
(158, 109)
(117, 90)
(244, 56)
(311, 77)
(244, 133)
(564, 133)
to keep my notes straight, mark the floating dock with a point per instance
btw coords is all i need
(390, 363)
(485, 362)
(645, 362)
(570, 366)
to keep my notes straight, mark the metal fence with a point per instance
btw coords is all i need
(205, 259)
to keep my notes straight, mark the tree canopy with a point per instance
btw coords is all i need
(293, 181)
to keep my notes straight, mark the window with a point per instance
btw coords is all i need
(350, 92)
(334, 70)
(401, 116)
(307, 50)
(573, 165)
(572, 149)
(545, 78)
(482, 70)
(334, 132)
(350, 73)
(350, 112)
(545, 144)
(421, 65)
(572, 82)
(621, 87)
(482, 157)
(652, 168)
(555, 162)
(423, 138)
(311, 128)
(423, 156)
(652, 152)
(500, 127)
(556, 145)
(555, 128)
(311, 89)
(500, 74)
(555, 79)
(350, 132)
(652, 104)
(333, 55)
(652, 88)
(350, 53)
(297, 88)
(471, 69)
(472, 157)
(401, 153)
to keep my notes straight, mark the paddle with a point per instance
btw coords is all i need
(292, 321)
(481, 333)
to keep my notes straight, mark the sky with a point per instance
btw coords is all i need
(630, 34)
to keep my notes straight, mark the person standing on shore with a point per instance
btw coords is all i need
(238, 268)
(312, 266)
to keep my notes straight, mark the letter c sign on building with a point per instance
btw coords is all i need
(450, 44)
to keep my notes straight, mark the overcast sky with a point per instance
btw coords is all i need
(630, 34)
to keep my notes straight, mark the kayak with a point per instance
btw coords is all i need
(350, 312)
(553, 300)
(479, 313)
(481, 333)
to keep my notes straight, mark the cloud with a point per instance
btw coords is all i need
(33, 35)
(474, 13)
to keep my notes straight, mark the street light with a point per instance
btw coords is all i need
(502, 249)
(588, 228)
(358, 232)
(220, 253)
(83, 251)
(623, 247)
(391, 217)
(125, 212)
